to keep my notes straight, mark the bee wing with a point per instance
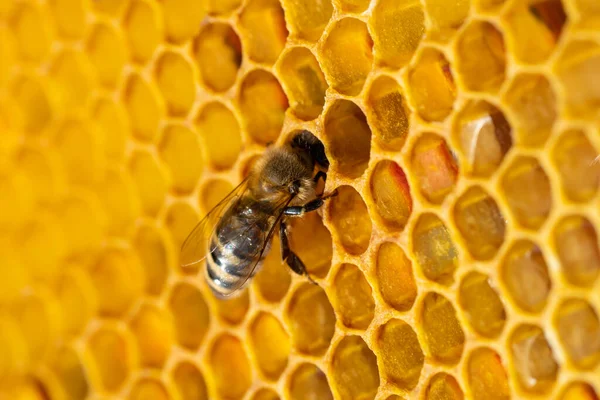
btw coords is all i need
(195, 247)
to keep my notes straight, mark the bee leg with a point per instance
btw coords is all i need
(296, 211)
(287, 255)
(320, 175)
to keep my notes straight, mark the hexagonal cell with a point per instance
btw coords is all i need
(180, 150)
(532, 358)
(153, 330)
(73, 74)
(148, 388)
(233, 310)
(480, 222)
(431, 85)
(112, 358)
(388, 113)
(73, 295)
(395, 277)
(396, 43)
(434, 248)
(391, 194)
(482, 305)
(576, 69)
(265, 32)
(33, 102)
(353, 299)
(218, 52)
(355, 373)
(274, 278)
(576, 160)
(270, 344)
(212, 192)
(350, 218)
(353, 6)
(43, 244)
(8, 55)
(144, 30)
(443, 387)
(111, 119)
(576, 243)
(34, 316)
(150, 243)
(311, 241)
(262, 104)
(578, 391)
(68, 367)
(175, 79)
(528, 192)
(304, 82)
(481, 61)
(180, 219)
(189, 382)
(307, 19)
(535, 27)
(309, 382)
(109, 7)
(119, 280)
(29, 22)
(182, 19)
(525, 274)
(223, 7)
(107, 53)
(118, 198)
(445, 18)
(70, 17)
(143, 106)
(191, 315)
(579, 332)
(265, 394)
(349, 138)
(484, 136)
(486, 375)
(150, 181)
(81, 223)
(346, 56)
(434, 166)
(443, 333)
(220, 132)
(311, 320)
(400, 353)
(230, 367)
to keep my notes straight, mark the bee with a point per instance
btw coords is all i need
(235, 236)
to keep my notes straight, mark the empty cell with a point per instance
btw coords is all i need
(175, 79)
(230, 367)
(265, 33)
(144, 107)
(346, 56)
(265, 394)
(434, 166)
(578, 391)
(434, 249)
(528, 192)
(275, 277)
(310, 319)
(180, 150)
(151, 246)
(443, 333)
(525, 274)
(118, 279)
(579, 332)
(233, 310)
(303, 82)
(212, 192)
(431, 86)
(388, 113)
(348, 138)
(151, 181)
(533, 359)
(480, 223)
(578, 163)
(443, 387)
(118, 197)
(74, 294)
(484, 136)
(148, 388)
(307, 19)
(481, 60)
(350, 219)
(144, 29)
(311, 241)
(353, 299)
(577, 68)
(183, 19)
(309, 382)
(576, 243)
(221, 134)
(486, 375)
(74, 78)
(395, 277)
(396, 43)
(482, 305)
(391, 194)
(107, 53)
(353, 6)
(33, 102)
(355, 374)
(30, 22)
(271, 345)
(82, 223)
(446, 17)
(69, 370)
(110, 117)
(262, 104)
(191, 316)
(189, 381)
(153, 330)
(111, 356)
(218, 53)
(70, 17)
(400, 353)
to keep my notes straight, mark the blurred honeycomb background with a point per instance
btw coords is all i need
(459, 260)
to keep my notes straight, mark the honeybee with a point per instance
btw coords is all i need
(235, 236)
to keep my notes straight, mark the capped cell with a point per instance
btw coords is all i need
(395, 277)
(391, 194)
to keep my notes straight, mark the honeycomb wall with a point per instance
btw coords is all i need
(459, 260)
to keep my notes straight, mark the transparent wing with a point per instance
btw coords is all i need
(196, 245)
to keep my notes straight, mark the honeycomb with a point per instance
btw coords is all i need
(460, 258)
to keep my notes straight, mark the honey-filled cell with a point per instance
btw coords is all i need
(264, 30)
(443, 333)
(395, 277)
(578, 329)
(578, 391)
(355, 373)
(271, 345)
(446, 17)
(443, 387)
(189, 381)
(391, 194)
(230, 367)
(353, 298)
(309, 382)
(307, 19)
(143, 29)
(486, 375)
(482, 305)
(350, 219)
